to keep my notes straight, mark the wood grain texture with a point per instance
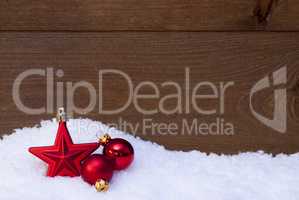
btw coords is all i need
(136, 15)
(158, 57)
(264, 9)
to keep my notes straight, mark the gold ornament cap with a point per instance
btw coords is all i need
(101, 185)
(104, 139)
(61, 116)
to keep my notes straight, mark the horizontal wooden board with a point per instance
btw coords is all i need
(243, 58)
(154, 15)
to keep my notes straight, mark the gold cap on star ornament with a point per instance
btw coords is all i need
(61, 116)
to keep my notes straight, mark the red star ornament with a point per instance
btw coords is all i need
(64, 157)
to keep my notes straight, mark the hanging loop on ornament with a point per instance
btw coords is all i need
(61, 116)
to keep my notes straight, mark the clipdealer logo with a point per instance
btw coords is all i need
(279, 121)
(185, 93)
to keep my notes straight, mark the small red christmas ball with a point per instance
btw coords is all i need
(97, 170)
(121, 151)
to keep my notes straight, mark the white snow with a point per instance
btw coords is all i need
(156, 173)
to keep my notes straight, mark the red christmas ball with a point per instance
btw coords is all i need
(97, 170)
(121, 151)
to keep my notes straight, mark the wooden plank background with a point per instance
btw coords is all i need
(154, 15)
(155, 41)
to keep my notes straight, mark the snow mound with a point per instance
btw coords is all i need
(156, 173)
